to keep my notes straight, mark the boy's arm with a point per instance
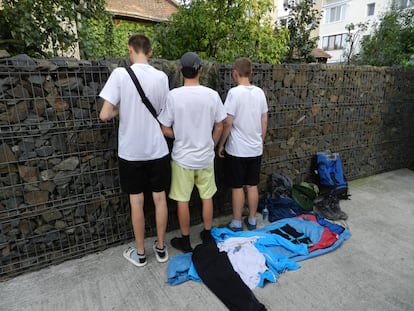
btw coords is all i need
(108, 111)
(264, 126)
(217, 131)
(167, 131)
(227, 123)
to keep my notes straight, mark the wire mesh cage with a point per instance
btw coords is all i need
(59, 186)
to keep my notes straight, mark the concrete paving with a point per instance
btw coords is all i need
(373, 270)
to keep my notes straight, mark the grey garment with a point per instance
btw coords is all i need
(279, 185)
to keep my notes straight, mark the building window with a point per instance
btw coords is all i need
(330, 2)
(370, 9)
(402, 4)
(335, 14)
(335, 42)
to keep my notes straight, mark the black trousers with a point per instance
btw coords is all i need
(216, 271)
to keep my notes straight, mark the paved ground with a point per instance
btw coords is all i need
(373, 270)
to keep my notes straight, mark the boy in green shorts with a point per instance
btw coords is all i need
(193, 117)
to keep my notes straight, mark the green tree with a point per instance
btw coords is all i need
(223, 30)
(303, 18)
(391, 41)
(124, 30)
(353, 37)
(45, 27)
(100, 38)
(96, 37)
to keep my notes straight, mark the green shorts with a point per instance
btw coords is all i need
(183, 181)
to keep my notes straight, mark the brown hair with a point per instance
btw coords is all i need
(243, 66)
(140, 43)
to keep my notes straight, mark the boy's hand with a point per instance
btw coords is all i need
(220, 151)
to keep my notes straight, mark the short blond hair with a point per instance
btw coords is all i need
(243, 66)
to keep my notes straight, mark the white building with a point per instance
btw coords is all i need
(337, 14)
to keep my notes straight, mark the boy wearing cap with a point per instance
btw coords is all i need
(241, 144)
(193, 117)
(142, 149)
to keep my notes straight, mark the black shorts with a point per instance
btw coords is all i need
(141, 176)
(241, 172)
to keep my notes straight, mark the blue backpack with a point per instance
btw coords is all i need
(331, 176)
(280, 208)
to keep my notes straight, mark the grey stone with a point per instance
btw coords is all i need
(44, 64)
(41, 230)
(68, 164)
(47, 174)
(65, 62)
(36, 197)
(52, 215)
(37, 79)
(23, 62)
(62, 177)
(45, 151)
(27, 144)
(80, 113)
(60, 224)
(13, 202)
(71, 83)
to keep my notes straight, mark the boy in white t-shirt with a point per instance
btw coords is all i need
(193, 117)
(241, 144)
(142, 149)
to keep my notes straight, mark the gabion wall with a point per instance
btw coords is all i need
(60, 195)
(364, 113)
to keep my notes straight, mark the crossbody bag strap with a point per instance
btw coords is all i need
(144, 98)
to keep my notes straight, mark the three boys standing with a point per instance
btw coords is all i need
(196, 118)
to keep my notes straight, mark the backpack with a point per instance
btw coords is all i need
(279, 185)
(331, 177)
(280, 208)
(305, 194)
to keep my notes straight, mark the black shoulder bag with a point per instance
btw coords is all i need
(147, 103)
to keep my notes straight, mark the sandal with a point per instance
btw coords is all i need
(160, 254)
(133, 257)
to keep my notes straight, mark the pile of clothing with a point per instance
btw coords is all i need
(231, 263)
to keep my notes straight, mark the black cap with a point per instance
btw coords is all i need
(190, 63)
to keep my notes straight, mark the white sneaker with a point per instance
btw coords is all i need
(160, 254)
(132, 256)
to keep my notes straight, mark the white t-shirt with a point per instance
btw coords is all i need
(139, 134)
(246, 104)
(192, 112)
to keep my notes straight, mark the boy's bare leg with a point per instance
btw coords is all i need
(138, 220)
(183, 243)
(237, 202)
(252, 200)
(207, 213)
(183, 212)
(161, 216)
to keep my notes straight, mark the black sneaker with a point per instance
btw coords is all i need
(206, 236)
(181, 244)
